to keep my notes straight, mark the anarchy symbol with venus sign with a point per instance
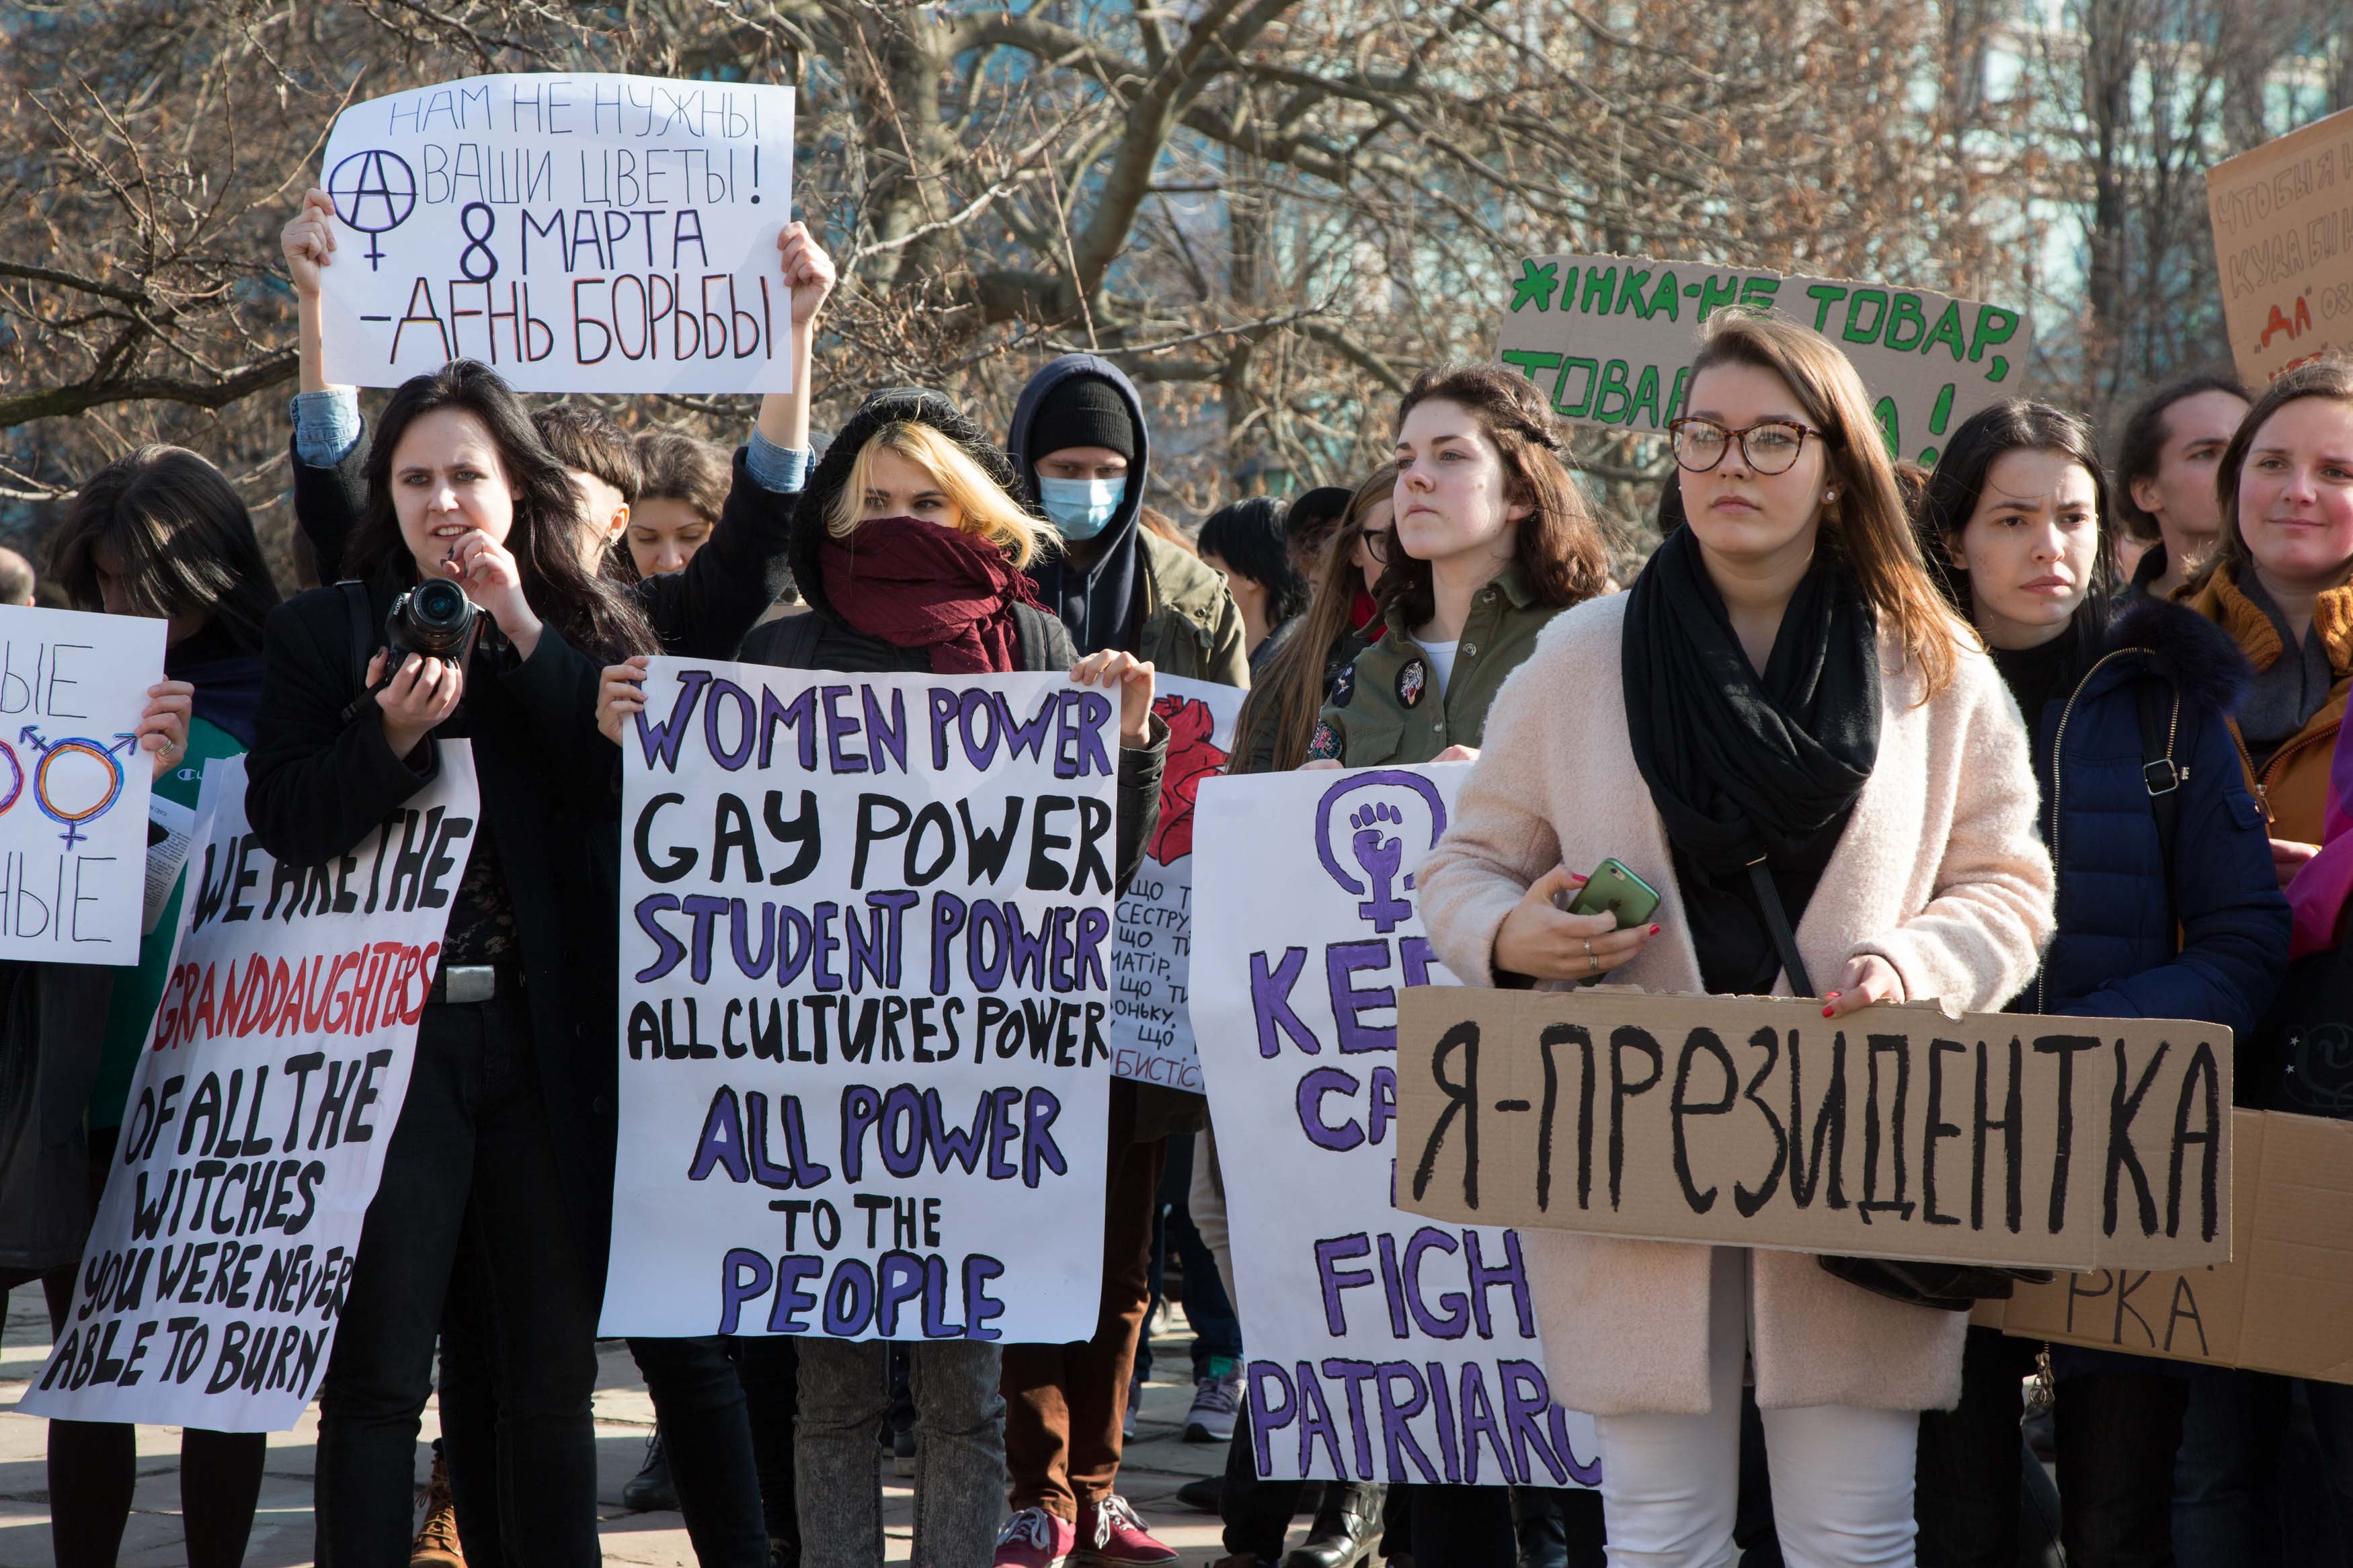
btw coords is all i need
(374, 191)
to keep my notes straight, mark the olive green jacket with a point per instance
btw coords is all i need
(1387, 709)
(1190, 626)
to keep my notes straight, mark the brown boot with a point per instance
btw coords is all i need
(437, 1539)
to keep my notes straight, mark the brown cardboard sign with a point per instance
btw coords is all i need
(1898, 1132)
(2283, 1304)
(2283, 218)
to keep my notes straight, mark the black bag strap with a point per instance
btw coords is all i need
(363, 640)
(2161, 728)
(1777, 921)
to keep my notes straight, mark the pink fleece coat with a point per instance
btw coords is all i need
(1939, 872)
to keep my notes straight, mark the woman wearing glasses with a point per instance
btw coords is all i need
(1781, 726)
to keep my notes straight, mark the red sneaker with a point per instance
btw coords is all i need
(1111, 1536)
(1035, 1538)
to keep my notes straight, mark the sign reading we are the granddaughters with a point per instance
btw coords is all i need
(866, 949)
(1898, 1132)
(216, 1272)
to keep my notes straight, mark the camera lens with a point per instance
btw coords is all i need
(439, 606)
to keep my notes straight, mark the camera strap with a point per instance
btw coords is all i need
(355, 604)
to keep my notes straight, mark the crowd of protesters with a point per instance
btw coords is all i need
(2039, 728)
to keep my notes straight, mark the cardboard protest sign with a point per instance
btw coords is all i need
(2283, 1304)
(1610, 340)
(866, 937)
(1151, 1020)
(577, 233)
(256, 1125)
(74, 786)
(1995, 1138)
(1381, 1347)
(2283, 218)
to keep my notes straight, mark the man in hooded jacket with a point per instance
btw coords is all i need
(1081, 447)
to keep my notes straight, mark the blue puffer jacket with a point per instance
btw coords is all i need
(2114, 953)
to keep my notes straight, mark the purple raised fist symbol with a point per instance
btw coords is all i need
(1390, 818)
(1382, 855)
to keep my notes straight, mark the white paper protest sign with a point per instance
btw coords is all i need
(866, 934)
(577, 233)
(74, 786)
(257, 1119)
(1151, 1021)
(1382, 1347)
(1609, 341)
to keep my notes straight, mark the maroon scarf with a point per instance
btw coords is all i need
(917, 585)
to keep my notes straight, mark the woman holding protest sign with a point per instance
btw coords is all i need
(497, 1174)
(914, 564)
(2167, 909)
(1271, 733)
(1780, 726)
(1490, 541)
(160, 533)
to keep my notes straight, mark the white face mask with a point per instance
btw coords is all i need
(1080, 509)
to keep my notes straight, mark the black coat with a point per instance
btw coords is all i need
(318, 784)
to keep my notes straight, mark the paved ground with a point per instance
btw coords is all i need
(1158, 1462)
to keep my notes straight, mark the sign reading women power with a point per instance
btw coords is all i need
(866, 945)
(578, 233)
(73, 786)
(1382, 1347)
(1611, 339)
(257, 1124)
(1151, 1021)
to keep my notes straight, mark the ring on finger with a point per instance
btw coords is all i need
(1593, 964)
(1588, 947)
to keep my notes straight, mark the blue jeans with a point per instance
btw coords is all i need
(959, 1451)
(2245, 1494)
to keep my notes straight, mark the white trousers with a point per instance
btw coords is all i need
(1842, 1476)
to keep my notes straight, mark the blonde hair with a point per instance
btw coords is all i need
(989, 512)
(1869, 526)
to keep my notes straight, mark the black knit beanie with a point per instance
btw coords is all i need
(1084, 411)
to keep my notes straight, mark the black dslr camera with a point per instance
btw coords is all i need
(434, 618)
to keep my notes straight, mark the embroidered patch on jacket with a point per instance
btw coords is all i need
(1323, 744)
(1344, 687)
(1411, 680)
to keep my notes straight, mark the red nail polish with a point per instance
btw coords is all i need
(1654, 931)
(1575, 878)
(1829, 1012)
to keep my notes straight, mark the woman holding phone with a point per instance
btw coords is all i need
(1780, 726)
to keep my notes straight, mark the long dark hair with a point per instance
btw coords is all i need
(1958, 480)
(1558, 546)
(591, 611)
(2143, 443)
(1248, 536)
(183, 535)
(2331, 378)
(1289, 690)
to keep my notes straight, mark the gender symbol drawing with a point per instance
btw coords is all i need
(1380, 809)
(75, 812)
(1193, 755)
(374, 191)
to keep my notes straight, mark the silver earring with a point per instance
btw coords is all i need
(1829, 495)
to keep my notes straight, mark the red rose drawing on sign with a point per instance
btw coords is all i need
(1193, 756)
